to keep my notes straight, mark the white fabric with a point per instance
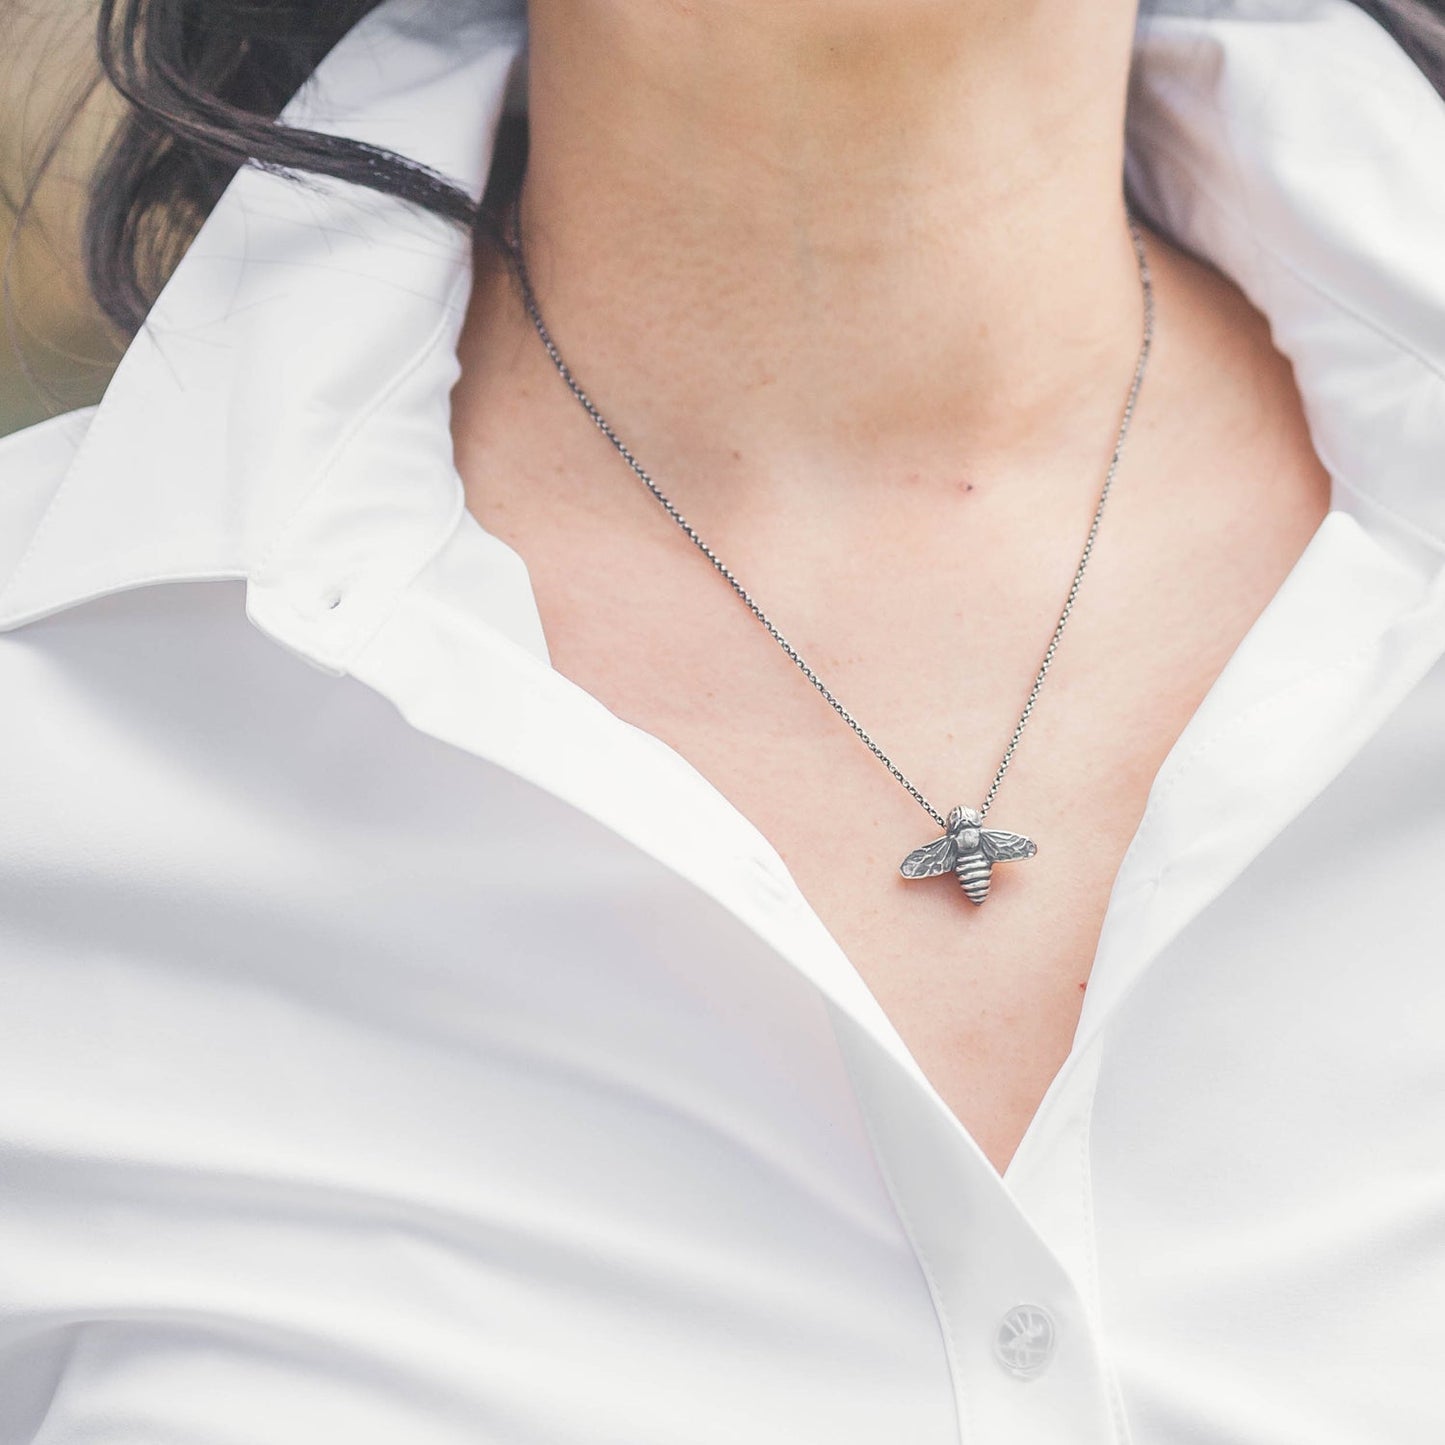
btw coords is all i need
(401, 1048)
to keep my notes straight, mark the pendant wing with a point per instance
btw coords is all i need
(930, 860)
(1004, 847)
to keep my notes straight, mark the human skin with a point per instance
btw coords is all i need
(853, 279)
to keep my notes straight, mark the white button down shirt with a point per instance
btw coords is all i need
(397, 1047)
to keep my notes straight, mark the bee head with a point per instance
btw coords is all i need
(963, 818)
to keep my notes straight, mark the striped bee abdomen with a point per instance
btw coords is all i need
(974, 870)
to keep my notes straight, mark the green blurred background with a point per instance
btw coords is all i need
(56, 353)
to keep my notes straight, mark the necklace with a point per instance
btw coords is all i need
(967, 849)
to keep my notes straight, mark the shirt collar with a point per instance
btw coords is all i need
(283, 416)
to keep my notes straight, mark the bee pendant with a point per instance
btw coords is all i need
(969, 850)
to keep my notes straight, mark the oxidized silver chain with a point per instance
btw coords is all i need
(966, 848)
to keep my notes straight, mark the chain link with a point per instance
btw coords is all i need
(534, 313)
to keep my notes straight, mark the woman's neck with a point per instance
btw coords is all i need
(838, 233)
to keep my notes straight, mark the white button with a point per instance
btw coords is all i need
(1024, 1341)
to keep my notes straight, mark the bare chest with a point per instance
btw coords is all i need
(987, 997)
